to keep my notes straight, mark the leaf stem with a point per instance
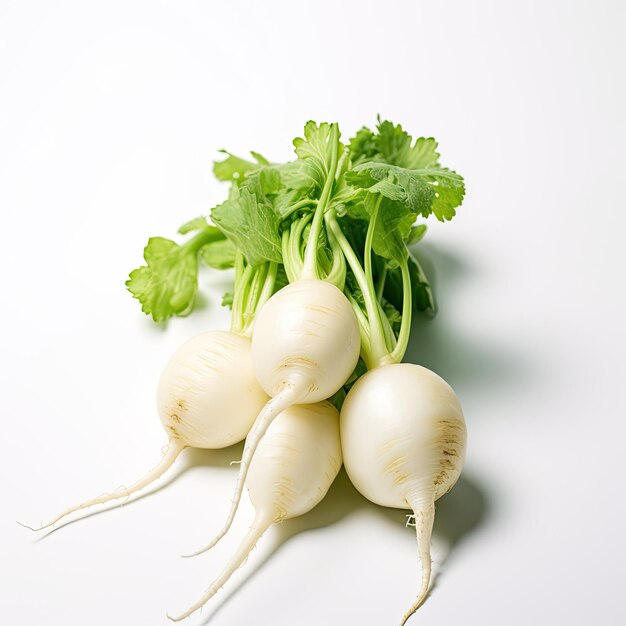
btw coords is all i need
(407, 306)
(298, 205)
(380, 285)
(309, 269)
(205, 236)
(371, 227)
(242, 277)
(378, 353)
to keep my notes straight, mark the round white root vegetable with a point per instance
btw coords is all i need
(207, 397)
(305, 345)
(403, 439)
(292, 470)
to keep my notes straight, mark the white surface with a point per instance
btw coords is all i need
(110, 115)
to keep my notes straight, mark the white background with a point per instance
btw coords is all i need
(110, 116)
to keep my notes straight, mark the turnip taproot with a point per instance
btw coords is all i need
(207, 397)
(403, 439)
(292, 470)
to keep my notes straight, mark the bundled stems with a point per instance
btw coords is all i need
(310, 269)
(379, 344)
(253, 288)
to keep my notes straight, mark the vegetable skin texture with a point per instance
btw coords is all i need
(305, 345)
(207, 397)
(291, 472)
(403, 439)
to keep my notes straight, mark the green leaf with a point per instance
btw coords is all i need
(416, 234)
(422, 191)
(394, 146)
(259, 158)
(449, 191)
(392, 228)
(252, 226)
(363, 146)
(263, 182)
(167, 285)
(227, 300)
(314, 152)
(199, 223)
(219, 255)
(234, 168)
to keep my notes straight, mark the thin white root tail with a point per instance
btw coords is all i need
(261, 523)
(174, 448)
(281, 401)
(424, 518)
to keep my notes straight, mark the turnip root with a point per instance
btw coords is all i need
(293, 468)
(207, 397)
(305, 344)
(403, 440)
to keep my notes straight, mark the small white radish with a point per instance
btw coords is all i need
(305, 345)
(207, 397)
(292, 470)
(403, 439)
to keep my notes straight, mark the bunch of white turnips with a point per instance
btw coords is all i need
(310, 372)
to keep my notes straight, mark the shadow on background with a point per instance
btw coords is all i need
(466, 362)
(459, 513)
(189, 459)
(341, 500)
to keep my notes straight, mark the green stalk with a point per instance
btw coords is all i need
(205, 236)
(407, 306)
(380, 286)
(286, 252)
(243, 274)
(378, 353)
(291, 247)
(379, 315)
(256, 286)
(337, 273)
(369, 237)
(364, 329)
(268, 285)
(309, 271)
(298, 205)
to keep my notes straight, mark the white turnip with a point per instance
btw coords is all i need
(207, 397)
(292, 470)
(305, 345)
(403, 439)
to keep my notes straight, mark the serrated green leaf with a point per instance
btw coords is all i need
(233, 168)
(167, 285)
(422, 191)
(314, 152)
(219, 255)
(392, 228)
(394, 146)
(251, 225)
(363, 146)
